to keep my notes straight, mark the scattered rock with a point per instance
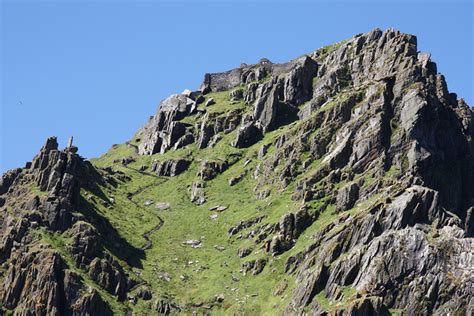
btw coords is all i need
(281, 287)
(144, 293)
(197, 193)
(236, 95)
(210, 102)
(254, 267)
(219, 298)
(165, 276)
(220, 248)
(218, 208)
(162, 205)
(193, 243)
(244, 224)
(243, 252)
(237, 179)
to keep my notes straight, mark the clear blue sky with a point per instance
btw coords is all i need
(97, 70)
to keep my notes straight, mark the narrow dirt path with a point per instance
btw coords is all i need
(146, 235)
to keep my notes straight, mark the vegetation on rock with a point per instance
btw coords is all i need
(340, 182)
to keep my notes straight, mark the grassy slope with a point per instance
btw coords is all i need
(207, 271)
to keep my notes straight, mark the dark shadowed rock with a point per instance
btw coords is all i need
(171, 168)
(247, 135)
(347, 196)
(211, 168)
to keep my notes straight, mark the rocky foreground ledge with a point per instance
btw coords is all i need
(339, 183)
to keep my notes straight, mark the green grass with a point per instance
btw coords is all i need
(212, 270)
(223, 103)
(209, 271)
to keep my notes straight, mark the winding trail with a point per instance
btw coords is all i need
(146, 235)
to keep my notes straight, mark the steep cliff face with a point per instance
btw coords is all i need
(41, 274)
(337, 183)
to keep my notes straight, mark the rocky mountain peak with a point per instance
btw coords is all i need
(337, 183)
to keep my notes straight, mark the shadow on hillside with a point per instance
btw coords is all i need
(111, 239)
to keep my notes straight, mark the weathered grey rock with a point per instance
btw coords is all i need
(218, 208)
(145, 293)
(469, 223)
(234, 180)
(254, 267)
(58, 173)
(164, 129)
(263, 151)
(185, 140)
(33, 283)
(247, 135)
(110, 276)
(219, 298)
(210, 102)
(162, 205)
(281, 288)
(197, 193)
(166, 307)
(171, 168)
(244, 252)
(276, 101)
(236, 95)
(7, 179)
(211, 168)
(347, 196)
(244, 224)
(85, 244)
(291, 225)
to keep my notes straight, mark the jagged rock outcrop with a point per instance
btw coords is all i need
(85, 244)
(45, 196)
(211, 168)
(347, 196)
(110, 276)
(40, 284)
(164, 129)
(171, 168)
(358, 158)
(291, 225)
(275, 102)
(198, 195)
(56, 171)
(7, 179)
(248, 135)
(213, 124)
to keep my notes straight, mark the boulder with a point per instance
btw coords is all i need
(210, 102)
(236, 95)
(197, 193)
(211, 168)
(347, 196)
(247, 135)
(171, 168)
